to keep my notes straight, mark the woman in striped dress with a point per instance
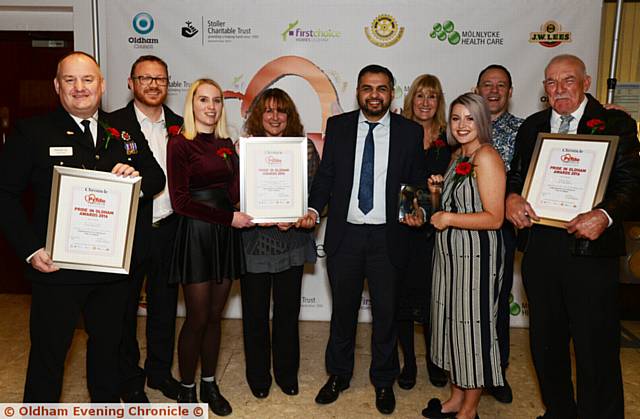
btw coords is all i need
(467, 262)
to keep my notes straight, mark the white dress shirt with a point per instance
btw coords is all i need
(156, 135)
(573, 129)
(573, 125)
(381, 134)
(93, 125)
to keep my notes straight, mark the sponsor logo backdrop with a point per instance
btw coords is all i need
(313, 50)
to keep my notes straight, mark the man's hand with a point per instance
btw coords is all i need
(308, 221)
(589, 225)
(41, 261)
(124, 170)
(519, 212)
(415, 219)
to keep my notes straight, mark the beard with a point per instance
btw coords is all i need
(375, 112)
(145, 97)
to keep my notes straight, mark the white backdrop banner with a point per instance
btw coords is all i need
(314, 50)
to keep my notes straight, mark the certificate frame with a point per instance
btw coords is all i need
(266, 197)
(97, 236)
(568, 175)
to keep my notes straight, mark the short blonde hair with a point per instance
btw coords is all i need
(189, 130)
(428, 82)
(479, 111)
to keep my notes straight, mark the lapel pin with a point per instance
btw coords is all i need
(70, 133)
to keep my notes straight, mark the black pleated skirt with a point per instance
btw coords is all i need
(206, 251)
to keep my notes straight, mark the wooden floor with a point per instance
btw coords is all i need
(356, 402)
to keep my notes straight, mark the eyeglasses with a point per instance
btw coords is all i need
(146, 80)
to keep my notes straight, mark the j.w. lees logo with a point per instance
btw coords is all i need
(550, 35)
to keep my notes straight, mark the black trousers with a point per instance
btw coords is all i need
(256, 289)
(363, 254)
(55, 311)
(573, 297)
(504, 309)
(162, 301)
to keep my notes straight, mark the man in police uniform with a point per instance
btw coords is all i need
(73, 135)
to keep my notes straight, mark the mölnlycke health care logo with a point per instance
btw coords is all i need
(447, 31)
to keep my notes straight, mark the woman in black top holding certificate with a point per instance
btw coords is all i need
(275, 256)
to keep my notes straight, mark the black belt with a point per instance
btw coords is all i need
(214, 198)
(164, 221)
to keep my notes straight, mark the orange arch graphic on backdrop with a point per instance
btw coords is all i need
(291, 65)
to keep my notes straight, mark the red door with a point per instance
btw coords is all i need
(30, 60)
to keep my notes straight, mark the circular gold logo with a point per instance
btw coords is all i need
(384, 31)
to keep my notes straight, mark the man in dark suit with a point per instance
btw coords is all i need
(73, 135)
(368, 154)
(149, 80)
(571, 274)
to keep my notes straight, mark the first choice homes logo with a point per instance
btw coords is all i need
(550, 35)
(143, 23)
(384, 31)
(293, 31)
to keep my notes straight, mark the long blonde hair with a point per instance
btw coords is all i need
(189, 130)
(428, 82)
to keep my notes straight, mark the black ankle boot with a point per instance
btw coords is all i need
(210, 393)
(187, 395)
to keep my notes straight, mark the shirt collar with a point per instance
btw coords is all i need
(142, 117)
(384, 121)
(577, 114)
(94, 118)
(504, 116)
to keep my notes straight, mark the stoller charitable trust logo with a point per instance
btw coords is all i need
(295, 32)
(550, 35)
(143, 23)
(189, 31)
(447, 31)
(384, 31)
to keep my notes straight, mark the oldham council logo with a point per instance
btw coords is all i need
(143, 23)
(550, 35)
(384, 31)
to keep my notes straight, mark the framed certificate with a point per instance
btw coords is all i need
(92, 218)
(273, 178)
(568, 175)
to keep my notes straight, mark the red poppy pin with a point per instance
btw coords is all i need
(596, 125)
(224, 152)
(173, 130)
(463, 169)
(439, 144)
(110, 133)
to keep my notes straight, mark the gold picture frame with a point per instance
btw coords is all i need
(568, 175)
(92, 219)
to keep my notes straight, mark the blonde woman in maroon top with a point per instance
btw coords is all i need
(202, 172)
